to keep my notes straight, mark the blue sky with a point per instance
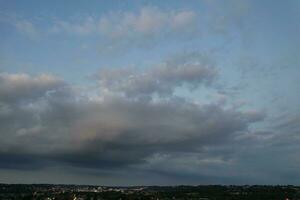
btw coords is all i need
(164, 92)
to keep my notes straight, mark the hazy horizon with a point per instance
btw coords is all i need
(200, 92)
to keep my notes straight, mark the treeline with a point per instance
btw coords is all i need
(210, 192)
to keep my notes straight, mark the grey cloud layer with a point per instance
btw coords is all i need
(22, 86)
(45, 122)
(58, 125)
(188, 120)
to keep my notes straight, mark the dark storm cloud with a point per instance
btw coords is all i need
(20, 161)
(58, 125)
(128, 132)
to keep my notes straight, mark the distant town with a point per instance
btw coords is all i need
(89, 192)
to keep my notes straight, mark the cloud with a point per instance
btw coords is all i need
(134, 122)
(148, 21)
(22, 25)
(86, 27)
(223, 17)
(187, 119)
(161, 80)
(46, 122)
(144, 22)
(27, 28)
(15, 87)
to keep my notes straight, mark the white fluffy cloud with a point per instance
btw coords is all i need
(161, 80)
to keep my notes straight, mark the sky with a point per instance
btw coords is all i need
(150, 92)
